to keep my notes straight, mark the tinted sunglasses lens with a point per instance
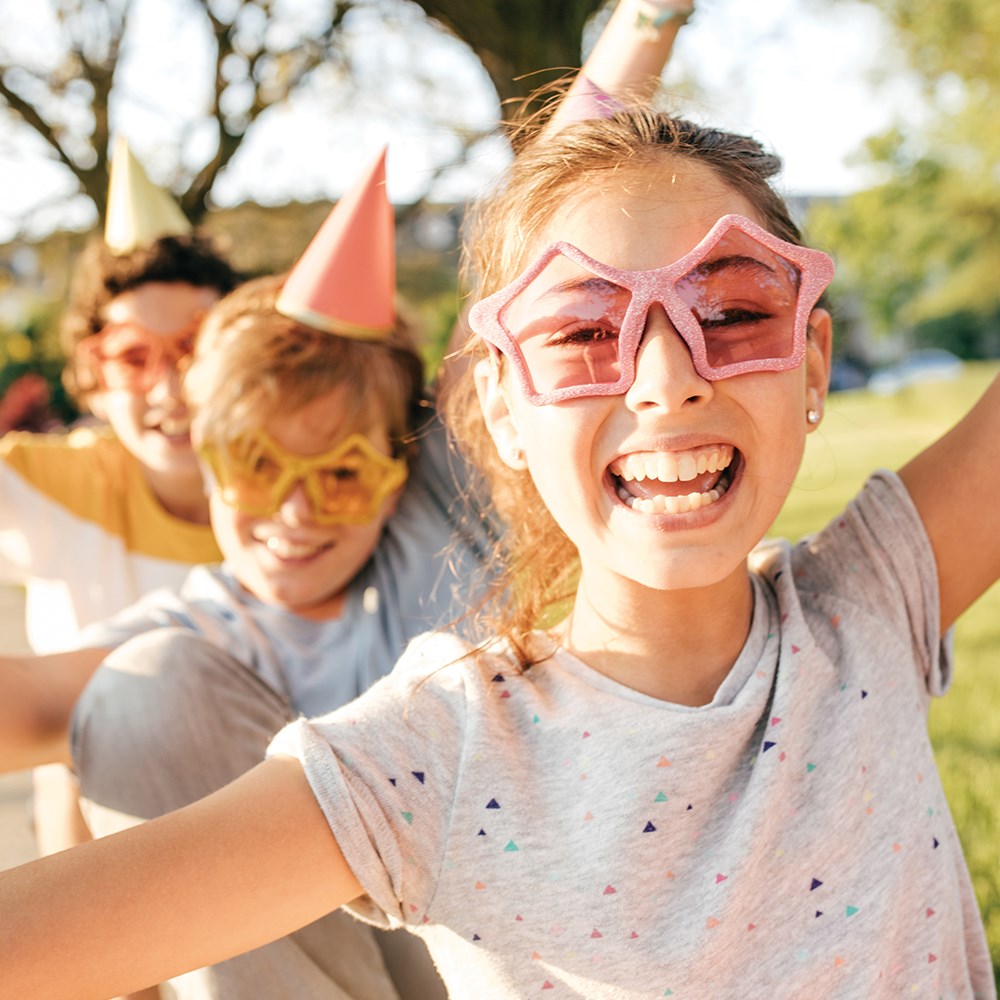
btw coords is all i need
(744, 298)
(247, 478)
(348, 487)
(566, 323)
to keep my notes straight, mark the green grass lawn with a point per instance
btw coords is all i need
(861, 432)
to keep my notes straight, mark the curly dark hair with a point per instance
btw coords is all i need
(100, 276)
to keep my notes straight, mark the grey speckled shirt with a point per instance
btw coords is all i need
(556, 834)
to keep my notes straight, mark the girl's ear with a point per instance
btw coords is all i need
(818, 349)
(496, 413)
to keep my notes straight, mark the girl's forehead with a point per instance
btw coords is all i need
(644, 216)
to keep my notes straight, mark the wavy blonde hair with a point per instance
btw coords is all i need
(540, 565)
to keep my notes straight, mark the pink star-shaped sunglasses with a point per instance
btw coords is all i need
(571, 326)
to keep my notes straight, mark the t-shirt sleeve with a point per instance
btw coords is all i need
(385, 770)
(878, 557)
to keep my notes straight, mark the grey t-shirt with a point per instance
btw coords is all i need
(558, 834)
(430, 558)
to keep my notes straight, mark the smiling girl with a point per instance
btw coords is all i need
(713, 776)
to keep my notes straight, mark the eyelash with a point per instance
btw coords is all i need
(580, 336)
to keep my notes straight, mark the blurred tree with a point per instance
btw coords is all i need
(922, 248)
(263, 51)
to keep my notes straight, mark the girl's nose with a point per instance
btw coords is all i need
(665, 375)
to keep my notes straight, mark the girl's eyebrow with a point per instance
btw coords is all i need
(740, 262)
(584, 283)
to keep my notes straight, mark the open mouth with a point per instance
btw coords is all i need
(674, 482)
(288, 550)
(173, 430)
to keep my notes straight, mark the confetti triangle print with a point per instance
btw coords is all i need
(595, 933)
(419, 775)
(535, 957)
(535, 719)
(588, 817)
(480, 885)
(633, 936)
(493, 804)
(720, 878)
(609, 890)
(775, 720)
(511, 846)
(819, 913)
(816, 883)
(476, 937)
(712, 922)
(851, 910)
(482, 833)
(931, 957)
(547, 985)
(767, 745)
(649, 828)
(864, 694)
(408, 816)
(661, 798)
(810, 768)
(663, 762)
(585, 736)
(929, 912)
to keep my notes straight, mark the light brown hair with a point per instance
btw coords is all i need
(252, 363)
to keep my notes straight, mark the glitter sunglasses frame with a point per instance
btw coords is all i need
(176, 348)
(656, 286)
(392, 473)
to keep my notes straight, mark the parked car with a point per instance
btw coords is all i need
(932, 364)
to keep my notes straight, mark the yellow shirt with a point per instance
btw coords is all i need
(82, 531)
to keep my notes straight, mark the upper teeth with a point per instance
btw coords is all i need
(284, 548)
(672, 467)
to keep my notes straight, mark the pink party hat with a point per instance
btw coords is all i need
(345, 281)
(138, 211)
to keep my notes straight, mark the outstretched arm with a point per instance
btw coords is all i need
(37, 695)
(245, 866)
(955, 484)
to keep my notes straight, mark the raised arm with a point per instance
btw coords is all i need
(249, 864)
(628, 57)
(37, 695)
(955, 484)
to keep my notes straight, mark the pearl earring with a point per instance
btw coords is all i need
(812, 416)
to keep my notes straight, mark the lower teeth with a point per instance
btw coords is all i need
(661, 504)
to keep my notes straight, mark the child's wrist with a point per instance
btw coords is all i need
(653, 16)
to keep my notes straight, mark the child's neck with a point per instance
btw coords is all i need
(674, 645)
(181, 496)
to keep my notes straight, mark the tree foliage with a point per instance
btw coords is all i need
(922, 248)
(263, 52)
